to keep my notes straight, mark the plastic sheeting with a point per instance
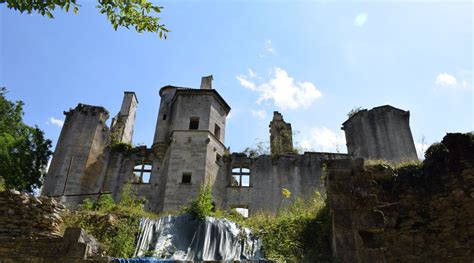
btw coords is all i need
(182, 238)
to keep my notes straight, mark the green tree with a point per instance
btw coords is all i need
(24, 152)
(140, 14)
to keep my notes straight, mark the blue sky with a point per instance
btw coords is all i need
(312, 61)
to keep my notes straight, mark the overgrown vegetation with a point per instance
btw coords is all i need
(299, 232)
(24, 151)
(114, 224)
(354, 111)
(426, 176)
(202, 206)
(2, 184)
(259, 148)
(120, 147)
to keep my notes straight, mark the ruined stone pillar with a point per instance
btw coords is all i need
(281, 135)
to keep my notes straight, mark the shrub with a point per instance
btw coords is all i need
(202, 206)
(297, 233)
(436, 158)
(2, 184)
(121, 147)
(354, 111)
(114, 225)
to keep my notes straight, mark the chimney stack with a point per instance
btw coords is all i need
(206, 82)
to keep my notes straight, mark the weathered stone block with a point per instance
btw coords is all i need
(344, 240)
(371, 221)
(343, 219)
(372, 255)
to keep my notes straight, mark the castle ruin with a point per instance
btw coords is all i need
(189, 150)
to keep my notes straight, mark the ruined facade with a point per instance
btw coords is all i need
(188, 151)
(382, 133)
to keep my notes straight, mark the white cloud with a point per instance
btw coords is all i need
(281, 88)
(246, 83)
(56, 122)
(252, 73)
(462, 81)
(261, 114)
(446, 80)
(360, 19)
(269, 47)
(325, 140)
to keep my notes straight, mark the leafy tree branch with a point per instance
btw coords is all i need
(139, 14)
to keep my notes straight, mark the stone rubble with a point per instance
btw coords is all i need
(24, 215)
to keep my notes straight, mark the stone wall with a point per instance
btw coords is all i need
(302, 175)
(380, 133)
(75, 247)
(408, 215)
(30, 232)
(24, 215)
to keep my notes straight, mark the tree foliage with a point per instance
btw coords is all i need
(24, 152)
(140, 14)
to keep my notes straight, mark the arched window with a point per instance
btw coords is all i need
(142, 172)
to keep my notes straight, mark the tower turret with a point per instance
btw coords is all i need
(380, 133)
(78, 158)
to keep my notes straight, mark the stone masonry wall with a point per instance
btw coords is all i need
(30, 232)
(23, 215)
(407, 215)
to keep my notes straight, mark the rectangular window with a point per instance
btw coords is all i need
(142, 172)
(217, 131)
(164, 117)
(186, 179)
(218, 158)
(240, 177)
(194, 123)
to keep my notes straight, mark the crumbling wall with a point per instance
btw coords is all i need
(78, 162)
(302, 175)
(408, 215)
(281, 135)
(23, 215)
(121, 129)
(30, 232)
(382, 133)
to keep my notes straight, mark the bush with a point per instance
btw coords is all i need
(413, 169)
(121, 147)
(2, 184)
(202, 206)
(436, 158)
(114, 225)
(299, 233)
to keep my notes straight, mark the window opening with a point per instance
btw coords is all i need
(242, 210)
(240, 177)
(194, 123)
(218, 158)
(164, 117)
(142, 172)
(217, 131)
(186, 179)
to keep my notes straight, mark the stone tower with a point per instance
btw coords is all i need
(78, 158)
(281, 135)
(380, 133)
(189, 138)
(122, 125)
